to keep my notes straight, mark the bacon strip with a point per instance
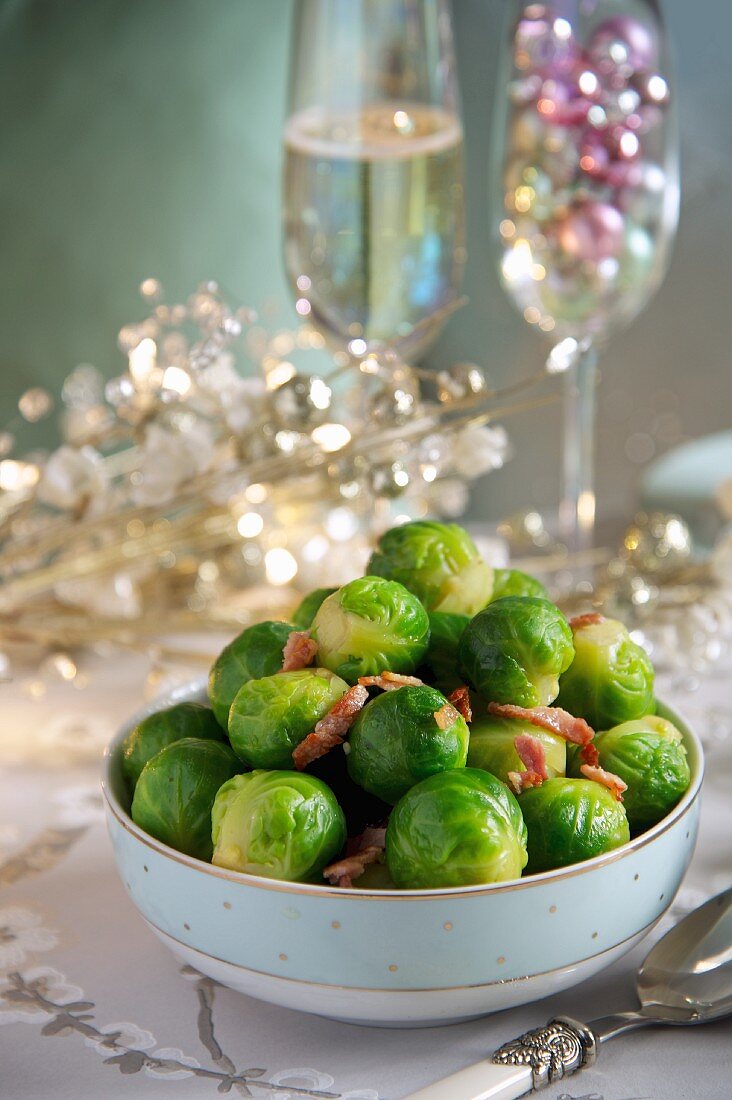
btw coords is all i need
(390, 681)
(521, 781)
(460, 699)
(590, 618)
(446, 716)
(532, 756)
(590, 755)
(553, 719)
(332, 728)
(373, 836)
(299, 651)
(613, 782)
(344, 871)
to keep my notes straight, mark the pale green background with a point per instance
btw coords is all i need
(143, 137)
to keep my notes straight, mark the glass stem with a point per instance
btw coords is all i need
(577, 507)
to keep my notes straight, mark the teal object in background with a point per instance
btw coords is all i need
(144, 138)
(687, 479)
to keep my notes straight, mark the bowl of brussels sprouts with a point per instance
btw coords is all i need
(428, 797)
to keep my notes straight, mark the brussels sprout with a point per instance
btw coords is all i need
(396, 741)
(304, 614)
(439, 562)
(163, 728)
(445, 632)
(648, 755)
(492, 746)
(279, 824)
(270, 716)
(176, 790)
(570, 820)
(371, 625)
(515, 651)
(512, 582)
(610, 679)
(454, 829)
(256, 652)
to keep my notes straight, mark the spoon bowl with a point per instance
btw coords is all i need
(687, 977)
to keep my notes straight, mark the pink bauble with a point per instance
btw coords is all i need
(623, 42)
(561, 103)
(591, 231)
(543, 43)
(623, 144)
(594, 155)
(648, 118)
(625, 175)
(620, 104)
(532, 39)
(652, 87)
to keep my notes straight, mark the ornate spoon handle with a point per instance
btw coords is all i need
(536, 1059)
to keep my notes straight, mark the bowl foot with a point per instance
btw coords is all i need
(395, 1008)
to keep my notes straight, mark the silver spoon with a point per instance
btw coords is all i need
(685, 979)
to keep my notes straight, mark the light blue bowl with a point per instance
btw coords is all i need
(404, 958)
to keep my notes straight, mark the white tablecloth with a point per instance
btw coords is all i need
(92, 1005)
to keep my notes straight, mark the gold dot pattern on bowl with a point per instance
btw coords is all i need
(283, 957)
(187, 927)
(335, 924)
(594, 935)
(227, 905)
(635, 878)
(393, 967)
(144, 867)
(447, 926)
(552, 908)
(501, 960)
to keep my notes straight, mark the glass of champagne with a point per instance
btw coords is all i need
(373, 188)
(588, 194)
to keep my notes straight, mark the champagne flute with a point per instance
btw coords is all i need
(373, 193)
(587, 149)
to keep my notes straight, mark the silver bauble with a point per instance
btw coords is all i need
(301, 403)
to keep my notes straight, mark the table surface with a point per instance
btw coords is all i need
(86, 991)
